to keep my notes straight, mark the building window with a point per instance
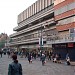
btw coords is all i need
(66, 21)
(65, 8)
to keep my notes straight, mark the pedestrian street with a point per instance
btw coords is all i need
(36, 68)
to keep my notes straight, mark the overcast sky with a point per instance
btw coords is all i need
(9, 10)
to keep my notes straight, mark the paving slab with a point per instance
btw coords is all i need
(36, 67)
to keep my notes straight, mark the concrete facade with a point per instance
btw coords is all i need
(51, 19)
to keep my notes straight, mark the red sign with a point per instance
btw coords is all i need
(70, 44)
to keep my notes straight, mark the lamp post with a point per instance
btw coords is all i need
(41, 42)
(41, 39)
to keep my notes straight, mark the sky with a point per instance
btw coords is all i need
(9, 10)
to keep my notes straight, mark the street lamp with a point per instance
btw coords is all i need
(41, 42)
(41, 39)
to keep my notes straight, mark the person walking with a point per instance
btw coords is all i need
(30, 58)
(43, 59)
(1, 53)
(8, 53)
(67, 59)
(15, 68)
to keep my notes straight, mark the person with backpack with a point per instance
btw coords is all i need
(15, 68)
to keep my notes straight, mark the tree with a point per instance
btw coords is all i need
(2, 43)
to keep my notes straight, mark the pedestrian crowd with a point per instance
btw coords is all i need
(15, 67)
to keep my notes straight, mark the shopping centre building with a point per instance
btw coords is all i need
(46, 25)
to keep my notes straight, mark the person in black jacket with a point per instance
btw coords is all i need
(30, 58)
(15, 68)
(1, 53)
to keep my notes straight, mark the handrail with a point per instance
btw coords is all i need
(60, 39)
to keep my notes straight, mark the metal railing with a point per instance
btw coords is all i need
(39, 15)
(59, 39)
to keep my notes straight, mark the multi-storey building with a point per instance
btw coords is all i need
(51, 20)
(64, 13)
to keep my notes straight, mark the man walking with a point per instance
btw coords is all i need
(1, 53)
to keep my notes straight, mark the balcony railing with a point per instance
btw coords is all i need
(52, 39)
(35, 17)
(33, 27)
(60, 39)
(26, 41)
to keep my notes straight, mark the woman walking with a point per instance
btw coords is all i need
(15, 68)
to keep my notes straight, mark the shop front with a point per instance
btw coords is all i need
(63, 49)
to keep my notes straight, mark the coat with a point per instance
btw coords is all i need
(15, 69)
(43, 58)
(29, 57)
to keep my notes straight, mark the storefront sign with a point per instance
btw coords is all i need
(70, 45)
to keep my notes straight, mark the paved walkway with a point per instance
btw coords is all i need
(36, 67)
